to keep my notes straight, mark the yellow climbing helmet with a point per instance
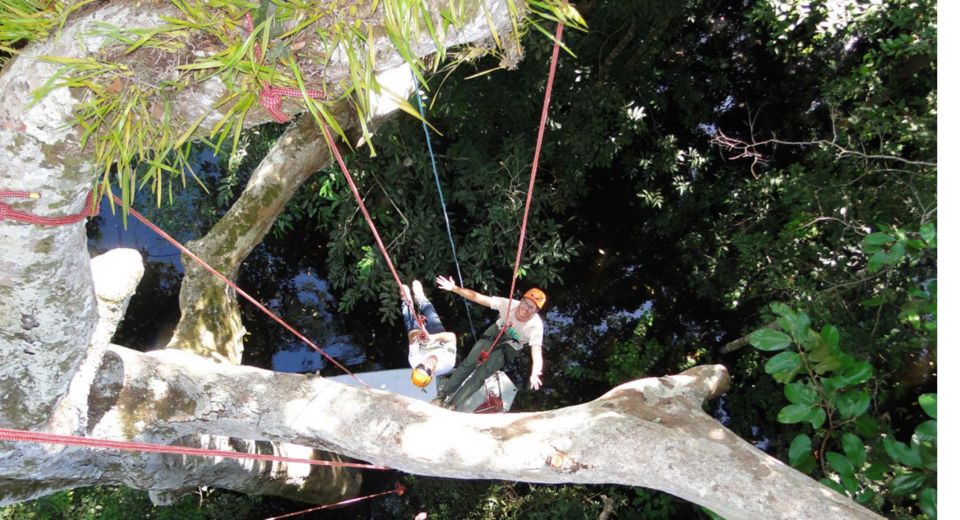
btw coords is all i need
(421, 376)
(537, 296)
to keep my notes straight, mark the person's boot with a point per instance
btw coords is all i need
(418, 296)
(406, 292)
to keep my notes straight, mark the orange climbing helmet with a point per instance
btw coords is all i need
(421, 376)
(537, 296)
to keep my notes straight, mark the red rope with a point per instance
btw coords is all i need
(91, 442)
(90, 209)
(399, 490)
(234, 286)
(373, 229)
(271, 98)
(484, 355)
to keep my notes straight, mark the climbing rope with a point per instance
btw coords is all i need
(484, 355)
(373, 228)
(13, 435)
(239, 291)
(443, 204)
(90, 209)
(399, 490)
(271, 98)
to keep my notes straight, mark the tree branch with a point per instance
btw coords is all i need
(685, 452)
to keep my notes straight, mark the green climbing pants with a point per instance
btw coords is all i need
(469, 376)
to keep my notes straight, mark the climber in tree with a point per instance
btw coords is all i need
(431, 354)
(524, 327)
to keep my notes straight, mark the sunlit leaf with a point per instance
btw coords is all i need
(794, 413)
(929, 404)
(854, 449)
(900, 452)
(906, 483)
(782, 362)
(769, 340)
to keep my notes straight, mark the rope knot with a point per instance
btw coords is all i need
(271, 98)
(484, 355)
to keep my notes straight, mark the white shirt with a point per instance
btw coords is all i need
(446, 354)
(526, 333)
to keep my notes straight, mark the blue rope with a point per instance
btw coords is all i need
(443, 204)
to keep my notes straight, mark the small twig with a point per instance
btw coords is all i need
(854, 282)
(750, 150)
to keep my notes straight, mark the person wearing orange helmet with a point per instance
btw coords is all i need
(524, 327)
(430, 355)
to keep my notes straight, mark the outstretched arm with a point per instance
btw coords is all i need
(447, 284)
(536, 367)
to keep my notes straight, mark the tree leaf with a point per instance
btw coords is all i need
(876, 241)
(840, 463)
(794, 413)
(926, 431)
(877, 469)
(858, 372)
(830, 336)
(830, 483)
(817, 418)
(853, 404)
(865, 496)
(850, 483)
(799, 393)
(867, 427)
(853, 447)
(928, 232)
(900, 452)
(781, 309)
(877, 261)
(800, 328)
(770, 340)
(799, 446)
(929, 404)
(782, 362)
(906, 483)
(928, 502)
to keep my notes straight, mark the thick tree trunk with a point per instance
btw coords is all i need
(209, 316)
(210, 322)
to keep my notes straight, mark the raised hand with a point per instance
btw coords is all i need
(447, 284)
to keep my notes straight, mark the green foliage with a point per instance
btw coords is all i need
(445, 499)
(121, 503)
(128, 121)
(832, 392)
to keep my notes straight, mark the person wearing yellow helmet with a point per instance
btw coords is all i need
(433, 354)
(524, 327)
